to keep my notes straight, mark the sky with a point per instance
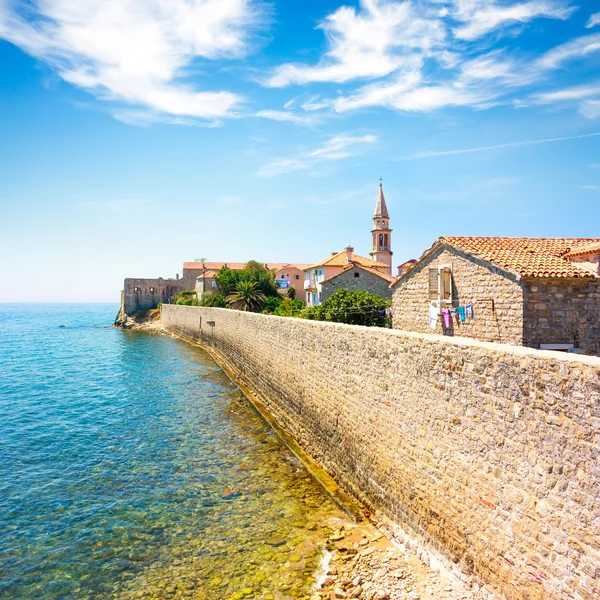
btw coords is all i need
(139, 134)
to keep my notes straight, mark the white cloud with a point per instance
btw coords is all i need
(315, 103)
(483, 16)
(594, 20)
(590, 109)
(577, 48)
(573, 93)
(590, 187)
(372, 42)
(286, 116)
(136, 51)
(434, 153)
(407, 49)
(336, 148)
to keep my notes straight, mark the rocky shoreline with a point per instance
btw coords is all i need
(366, 564)
(146, 320)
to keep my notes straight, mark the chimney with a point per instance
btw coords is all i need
(176, 275)
(349, 252)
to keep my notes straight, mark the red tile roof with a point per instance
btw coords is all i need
(234, 266)
(544, 258)
(339, 259)
(593, 248)
(528, 257)
(373, 270)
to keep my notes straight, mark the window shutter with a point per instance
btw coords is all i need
(433, 283)
(448, 285)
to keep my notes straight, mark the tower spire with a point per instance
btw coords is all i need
(381, 208)
(381, 232)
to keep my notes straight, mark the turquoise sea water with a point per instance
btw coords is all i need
(131, 467)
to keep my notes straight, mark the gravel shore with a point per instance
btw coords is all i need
(366, 564)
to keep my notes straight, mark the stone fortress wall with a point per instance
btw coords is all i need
(485, 455)
(141, 294)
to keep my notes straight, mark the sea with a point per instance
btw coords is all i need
(132, 467)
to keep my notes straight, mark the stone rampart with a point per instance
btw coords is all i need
(140, 294)
(487, 455)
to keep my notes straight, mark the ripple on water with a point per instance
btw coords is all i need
(131, 467)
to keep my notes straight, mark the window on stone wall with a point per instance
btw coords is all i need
(357, 274)
(136, 289)
(151, 290)
(433, 283)
(445, 283)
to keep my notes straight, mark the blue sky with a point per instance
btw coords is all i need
(143, 133)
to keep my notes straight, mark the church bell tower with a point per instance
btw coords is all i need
(382, 234)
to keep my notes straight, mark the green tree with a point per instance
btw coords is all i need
(353, 308)
(201, 259)
(247, 296)
(291, 292)
(227, 280)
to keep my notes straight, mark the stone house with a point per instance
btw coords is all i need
(537, 292)
(357, 277)
(318, 274)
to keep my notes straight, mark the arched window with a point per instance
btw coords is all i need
(385, 240)
(380, 239)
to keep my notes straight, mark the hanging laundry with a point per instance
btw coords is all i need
(388, 311)
(470, 311)
(454, 314)
(461, 314)
(433, 316)
(446, 315)
(382, 313)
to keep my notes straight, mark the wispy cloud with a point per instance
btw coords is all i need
(136, 51)
(594, 20)
(577, 48)
(590, 109)
(286, 116)
(424, 56)
(336, 148)
(433, 153)
(590, 187)
(369, 43)
(579, 92)
(481, 17)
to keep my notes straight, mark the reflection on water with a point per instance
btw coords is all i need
(131, 467)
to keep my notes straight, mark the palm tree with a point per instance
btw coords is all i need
(247, 297)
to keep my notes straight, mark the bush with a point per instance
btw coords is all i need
(273, 303)
(353, 308)
(289, 307)
(214, 300)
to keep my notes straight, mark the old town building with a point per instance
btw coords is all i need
(537, 292)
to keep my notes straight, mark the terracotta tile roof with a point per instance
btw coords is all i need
(339, 259)
(528, 257)
(349, 266)
(385, 276)
(592, 248)
(235, 266)
(298, 266)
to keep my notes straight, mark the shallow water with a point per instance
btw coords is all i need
(131, 467)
